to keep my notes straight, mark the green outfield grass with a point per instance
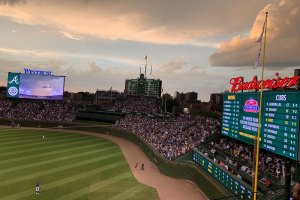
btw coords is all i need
(68, 166)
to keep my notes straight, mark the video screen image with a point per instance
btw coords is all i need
(41, 87)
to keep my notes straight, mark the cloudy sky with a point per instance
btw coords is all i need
(192, 45)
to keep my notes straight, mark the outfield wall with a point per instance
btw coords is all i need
(101, 116)
(31, 123)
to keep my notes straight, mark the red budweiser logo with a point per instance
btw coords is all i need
(278, 82)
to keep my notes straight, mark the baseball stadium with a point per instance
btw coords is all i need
(229, 132)
(131, 146)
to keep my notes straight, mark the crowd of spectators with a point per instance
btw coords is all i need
(173, 137)
(146, 105)
(268, 162)
(235, 167)
(38, 110)
(5, 106)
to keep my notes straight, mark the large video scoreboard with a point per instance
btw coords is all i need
(279, 120)
(35, 86)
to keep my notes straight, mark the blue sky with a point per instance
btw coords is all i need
(191, 45)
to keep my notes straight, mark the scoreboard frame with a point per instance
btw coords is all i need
(279, 120)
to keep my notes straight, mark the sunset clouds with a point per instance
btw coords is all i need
(283, 43)
(168, 22)
(99, 43)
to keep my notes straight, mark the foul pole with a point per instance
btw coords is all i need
(259, 114)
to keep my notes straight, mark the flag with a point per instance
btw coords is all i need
(110, 88)
(259, 40)
(146, 57)
(257, 63)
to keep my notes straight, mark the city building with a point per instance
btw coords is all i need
(216, 102)
(190, 97)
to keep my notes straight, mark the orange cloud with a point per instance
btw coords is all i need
(282, 39)
(167, 22)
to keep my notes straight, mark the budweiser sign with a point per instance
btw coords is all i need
(277, 82)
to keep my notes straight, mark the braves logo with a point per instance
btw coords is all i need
(14, 80)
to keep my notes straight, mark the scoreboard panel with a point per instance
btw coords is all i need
(228, 180)
(279, 120)
(33, 86)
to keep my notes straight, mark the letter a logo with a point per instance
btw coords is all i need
(14, 80)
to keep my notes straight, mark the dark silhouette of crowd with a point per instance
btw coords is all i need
(38, 110)
(145, 105)
(109, 94)
(268, 162)
(172, 137)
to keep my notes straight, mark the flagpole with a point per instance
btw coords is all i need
(146, 64)
(259, 114)
(145, 70)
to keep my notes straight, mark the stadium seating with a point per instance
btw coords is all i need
(61, 111)
(170, 137)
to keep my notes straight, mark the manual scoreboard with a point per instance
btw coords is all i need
(279, 120)
(224, 177)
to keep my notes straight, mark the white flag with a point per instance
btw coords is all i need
(257, 63)
(259, 40)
